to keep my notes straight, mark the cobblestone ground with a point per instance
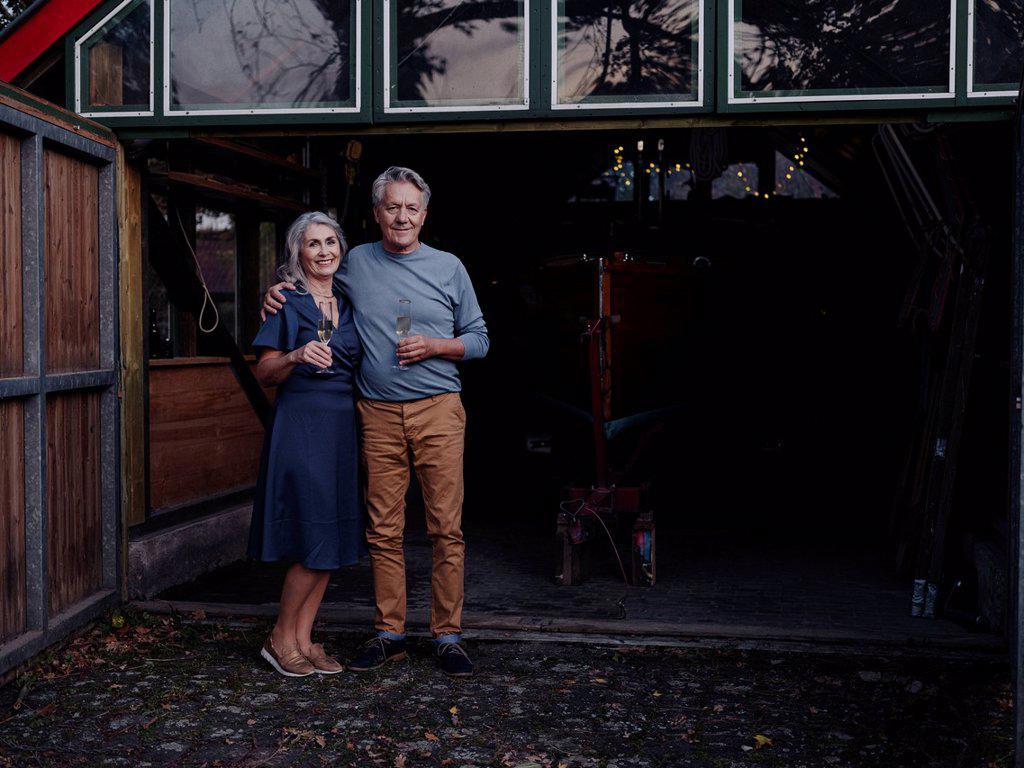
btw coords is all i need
(141, 690)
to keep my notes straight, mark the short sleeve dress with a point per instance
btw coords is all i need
(307, 506)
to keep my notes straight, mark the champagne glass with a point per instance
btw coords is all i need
(403, 325)
(324, 330)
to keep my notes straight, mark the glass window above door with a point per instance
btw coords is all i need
(840, 50)
(994, 47)
(638, 53)
(266, 56)
(456, 55)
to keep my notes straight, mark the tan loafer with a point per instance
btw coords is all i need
(325, 665)
(288, 661)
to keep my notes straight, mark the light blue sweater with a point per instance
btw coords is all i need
(443, 306)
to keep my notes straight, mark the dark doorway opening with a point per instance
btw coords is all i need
(792, 371)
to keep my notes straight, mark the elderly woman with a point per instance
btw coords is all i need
(306, 511)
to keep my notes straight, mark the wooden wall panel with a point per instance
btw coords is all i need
(72, 264)
(12, 519)
(204, 438)
(11, 343)
(73, 477)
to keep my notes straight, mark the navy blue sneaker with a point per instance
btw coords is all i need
(376, 652)
(453, 660)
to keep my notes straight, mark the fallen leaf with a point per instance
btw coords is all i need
(400, 761)
(454, 710)
(429, 736)
(762, 741)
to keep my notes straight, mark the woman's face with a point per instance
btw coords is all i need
(321, 251)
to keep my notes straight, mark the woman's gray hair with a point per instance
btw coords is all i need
(398, 173)
(292, 271)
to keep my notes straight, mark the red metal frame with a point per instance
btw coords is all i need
(46, 24)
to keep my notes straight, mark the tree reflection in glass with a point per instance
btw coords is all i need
(260, 53)
(457, 52)
(824, 45)
(608, 51)
(998, 31)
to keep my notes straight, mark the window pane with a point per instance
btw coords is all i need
(616, 52)
(998, 27)
(215, 251)
(823, 46)
(261, 54)
(115, 61)
(457, 53)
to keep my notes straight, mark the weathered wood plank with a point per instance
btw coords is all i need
(106, 75)
(73, 482)
(72, 264)
(133, 435)
(205, 439)
(12, 519)
(11, 342)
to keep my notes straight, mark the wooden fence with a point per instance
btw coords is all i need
(59, 529)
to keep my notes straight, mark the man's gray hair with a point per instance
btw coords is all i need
(398, 173)
(292, 270)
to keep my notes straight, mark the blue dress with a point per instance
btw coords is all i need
(307, 506)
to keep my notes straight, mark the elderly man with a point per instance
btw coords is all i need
(410, 400)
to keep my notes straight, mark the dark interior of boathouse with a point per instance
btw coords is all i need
(792, 321)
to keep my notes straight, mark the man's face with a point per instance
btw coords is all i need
(401, 215)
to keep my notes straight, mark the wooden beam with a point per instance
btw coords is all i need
(132, 378)
(258, 154)
(231, 189)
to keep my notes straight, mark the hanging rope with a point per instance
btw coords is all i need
(207, 298)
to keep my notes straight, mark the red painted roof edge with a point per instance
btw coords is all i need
(35, 35)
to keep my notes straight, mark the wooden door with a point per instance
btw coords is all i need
(59, 529)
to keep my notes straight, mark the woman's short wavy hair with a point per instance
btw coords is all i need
(292, 271)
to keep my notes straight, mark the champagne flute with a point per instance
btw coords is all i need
(403, 325)
(324, 330)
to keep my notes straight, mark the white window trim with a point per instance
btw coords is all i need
(971, 93)
(358, 59)
(390, 110)
(574, 105)
(905, 96)
(152, 64)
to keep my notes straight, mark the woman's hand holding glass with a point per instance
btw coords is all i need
(312, 352)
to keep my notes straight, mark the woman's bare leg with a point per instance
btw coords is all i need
(308, 610)
(298, 583)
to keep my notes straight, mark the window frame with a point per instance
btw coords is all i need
(356, 74)
(705, 73)
(838, 99)
(989, 90)
(532, 10)
(79, 60)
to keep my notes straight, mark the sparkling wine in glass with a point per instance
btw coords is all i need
(403, 325)
(325, 329)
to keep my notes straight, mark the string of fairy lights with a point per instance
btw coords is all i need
(623, 173)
